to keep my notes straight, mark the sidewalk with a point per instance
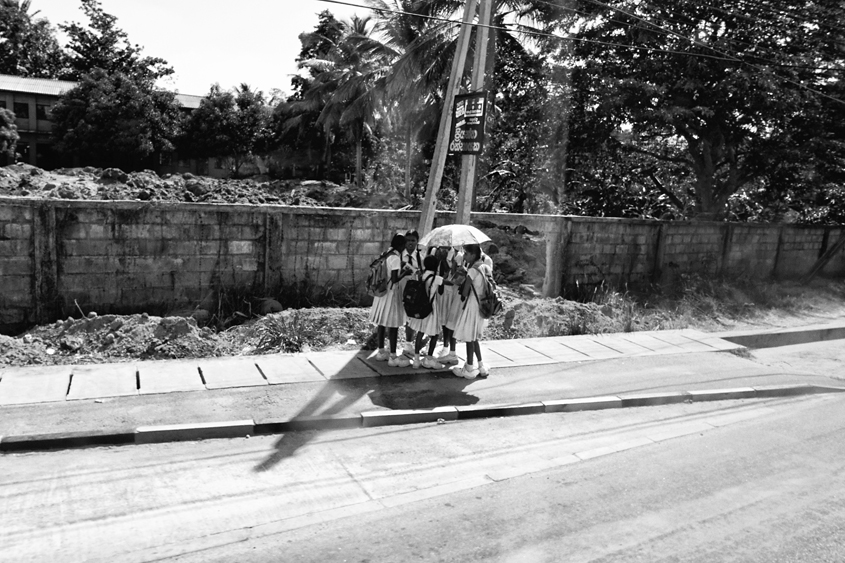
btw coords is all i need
(65, 406)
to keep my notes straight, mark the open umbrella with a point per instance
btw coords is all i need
(454, 235)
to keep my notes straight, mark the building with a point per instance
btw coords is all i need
(30, 99)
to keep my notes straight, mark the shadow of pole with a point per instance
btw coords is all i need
(341, 392)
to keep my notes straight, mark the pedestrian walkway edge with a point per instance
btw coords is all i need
(370, 419)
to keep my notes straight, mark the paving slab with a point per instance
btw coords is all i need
(555, 349)
(711, 340)
(518, 353)
(590, 347)
(343, 365)
(288, 368)
(382, 369)
(652, 343)
(34, 385)
(224, 373)
(685, 339)
(620, 344)
(492, 359)
(168, 376)
(101, 381)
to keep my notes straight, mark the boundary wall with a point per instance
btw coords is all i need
(57, 256)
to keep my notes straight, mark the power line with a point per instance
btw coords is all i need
(527, 31)
(721, 55)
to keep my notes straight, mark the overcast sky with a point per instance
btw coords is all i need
(251, 41)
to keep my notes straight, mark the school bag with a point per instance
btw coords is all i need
(415, 298)
(490, 302)
(378, 277)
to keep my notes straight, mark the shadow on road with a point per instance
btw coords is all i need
(339, 395)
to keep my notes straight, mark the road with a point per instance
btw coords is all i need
(757, 481)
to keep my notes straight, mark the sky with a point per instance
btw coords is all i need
(205, 42)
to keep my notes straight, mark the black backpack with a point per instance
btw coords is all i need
(415, 298)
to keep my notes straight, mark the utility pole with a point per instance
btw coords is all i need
(438, 162)
(479, 65)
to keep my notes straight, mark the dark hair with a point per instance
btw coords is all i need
(431, 263)
(474, 249)
(414, 234)
(397, 242)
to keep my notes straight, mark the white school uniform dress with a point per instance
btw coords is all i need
(470, 326)
(431, 324)
(451, 299)
(387, 310)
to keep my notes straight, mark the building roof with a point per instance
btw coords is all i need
(189, 101)
(50, 87)
(44, 86)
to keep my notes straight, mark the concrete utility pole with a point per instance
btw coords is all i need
(479, 65)
(441, 148)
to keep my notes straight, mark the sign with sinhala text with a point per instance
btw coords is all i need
(468, 124)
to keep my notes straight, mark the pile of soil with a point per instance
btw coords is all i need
(113, 338)
(24, 180)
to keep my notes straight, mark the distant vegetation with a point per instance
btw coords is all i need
(663, 109)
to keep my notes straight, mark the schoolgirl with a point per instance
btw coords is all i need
(430, 325)
(387, 312)
(412, 258)
(470, 325)
(449, 303)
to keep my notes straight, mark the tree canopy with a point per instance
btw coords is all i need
(114, 119)
(101, 44)
(231, 126)
(28, 45)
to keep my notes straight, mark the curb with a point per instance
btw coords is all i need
(372, 419)
(784, 337)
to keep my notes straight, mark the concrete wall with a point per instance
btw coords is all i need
(60, 255)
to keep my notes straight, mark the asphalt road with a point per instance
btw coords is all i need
(756, 480)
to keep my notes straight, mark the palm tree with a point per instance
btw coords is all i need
(345, 85)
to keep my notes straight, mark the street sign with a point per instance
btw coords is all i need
(468, 124)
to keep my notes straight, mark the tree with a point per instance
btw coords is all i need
(728, 92)
(105, 46)
(344, 85)
(294, 122)
(229, 126)
(8, 135)
(28, 45)
(115, 119)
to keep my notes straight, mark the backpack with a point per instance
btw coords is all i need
(415, 298)
(490, 303)
(378, 277)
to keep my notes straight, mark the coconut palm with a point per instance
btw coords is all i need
(344, 86)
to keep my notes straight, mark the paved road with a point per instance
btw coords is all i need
(740, 480)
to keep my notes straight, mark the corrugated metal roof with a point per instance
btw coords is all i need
(44, 86)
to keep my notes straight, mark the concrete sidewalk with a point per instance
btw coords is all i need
(65, 406)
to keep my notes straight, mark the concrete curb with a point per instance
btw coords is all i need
(371, 419)
(783, 337)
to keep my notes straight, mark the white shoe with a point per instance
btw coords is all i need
(383, 355)
(467, 371)
(416, 362)
(430, 363)
(450, 358)
(399, 362)
(482, 370)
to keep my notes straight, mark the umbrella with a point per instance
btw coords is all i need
(454, 235)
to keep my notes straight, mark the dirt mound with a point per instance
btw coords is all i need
(23, 180)
(110, 338)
